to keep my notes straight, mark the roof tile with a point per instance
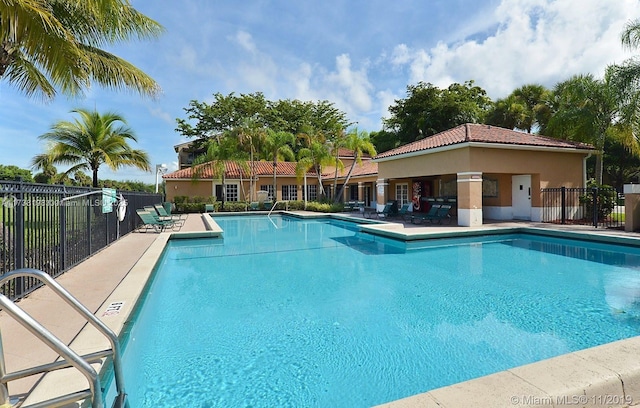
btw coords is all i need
(472, 132)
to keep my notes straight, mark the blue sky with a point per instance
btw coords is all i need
(358, 54)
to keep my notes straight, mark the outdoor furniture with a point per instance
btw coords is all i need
(404, 211)
(368, 212)
(437, 212)
(417, 218)
(151, 221)
(165, 215)
(254, 206)
(350, 206)
(209, 208)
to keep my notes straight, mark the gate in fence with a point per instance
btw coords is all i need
(597, 206)
(54, 227)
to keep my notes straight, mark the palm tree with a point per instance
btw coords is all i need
(88, 143)
(592, 110)
(49, 44)
(278, 146)
(250, 135)
(303, 165)
(526, 108)
(218, 151)
(317, 150)
(359, 143)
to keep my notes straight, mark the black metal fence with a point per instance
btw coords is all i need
(54, 227)
(598, 207)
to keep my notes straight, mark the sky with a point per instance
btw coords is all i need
(358, 54)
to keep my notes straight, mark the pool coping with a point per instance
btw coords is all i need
(605, 375)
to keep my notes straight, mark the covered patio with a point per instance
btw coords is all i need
(483, 172)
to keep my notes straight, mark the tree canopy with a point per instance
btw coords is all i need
(49, 44)
(90, 142)
(428, 110)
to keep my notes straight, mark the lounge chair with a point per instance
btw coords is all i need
(417, 218)
(388, 211)
(165, 215)
(151, 221)
(349, 206)
(437, 212)
(404, 211)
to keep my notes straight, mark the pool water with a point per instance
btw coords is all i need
(309, 313)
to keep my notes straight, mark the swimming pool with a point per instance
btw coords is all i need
(288, 312)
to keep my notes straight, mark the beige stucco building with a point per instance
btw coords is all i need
(483, 171)
(238, 185)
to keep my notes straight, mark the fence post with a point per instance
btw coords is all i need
(19, 236)
(63, 234)
(563, 203)
(594, 192)
(89, 211)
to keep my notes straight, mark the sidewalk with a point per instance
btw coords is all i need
(91, 282)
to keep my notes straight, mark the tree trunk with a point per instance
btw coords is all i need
(275, 185)
(346, 181)
(599, 167)
(95, 178)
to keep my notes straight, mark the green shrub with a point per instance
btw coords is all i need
(606, 196)
(324, 207)
(195, 204)
(234, 206)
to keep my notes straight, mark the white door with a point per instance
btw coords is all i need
(521, 197)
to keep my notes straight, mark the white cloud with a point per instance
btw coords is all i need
(245, 40)
(352, 86)
(536, 41)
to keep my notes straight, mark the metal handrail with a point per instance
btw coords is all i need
(276, 203)
(82, 363)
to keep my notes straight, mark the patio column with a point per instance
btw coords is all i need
(631, 207)
(382, 186)
(470, 199)
(360, 191)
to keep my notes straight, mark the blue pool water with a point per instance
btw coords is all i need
(308, 313)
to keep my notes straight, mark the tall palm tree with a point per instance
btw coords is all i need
(250, 135)
(218, 152)
(526, 108)
(88, 143)
(278, 146)
(317, 150)
(49, 44)
(303, 165)
(359, 143)
(593, 110)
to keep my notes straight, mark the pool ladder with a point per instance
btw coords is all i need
(69, 357)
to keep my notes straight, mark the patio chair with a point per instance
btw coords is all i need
(387, 211)
(151, 221)
(166, 216)
(254, 206)
(209, 208)
(417, 218)
(442, 214)
(404, 211)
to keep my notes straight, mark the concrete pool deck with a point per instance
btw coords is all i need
(607, 375)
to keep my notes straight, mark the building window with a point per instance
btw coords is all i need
(232, 192)
(269, 189)
(353, 192)
(402, 193)
(312, 192)
(290, 192)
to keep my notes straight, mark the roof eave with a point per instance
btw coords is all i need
(487, 145)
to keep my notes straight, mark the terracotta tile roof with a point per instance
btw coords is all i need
(471, 132)
(368, 168)
(233, 170)
(348, 153)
